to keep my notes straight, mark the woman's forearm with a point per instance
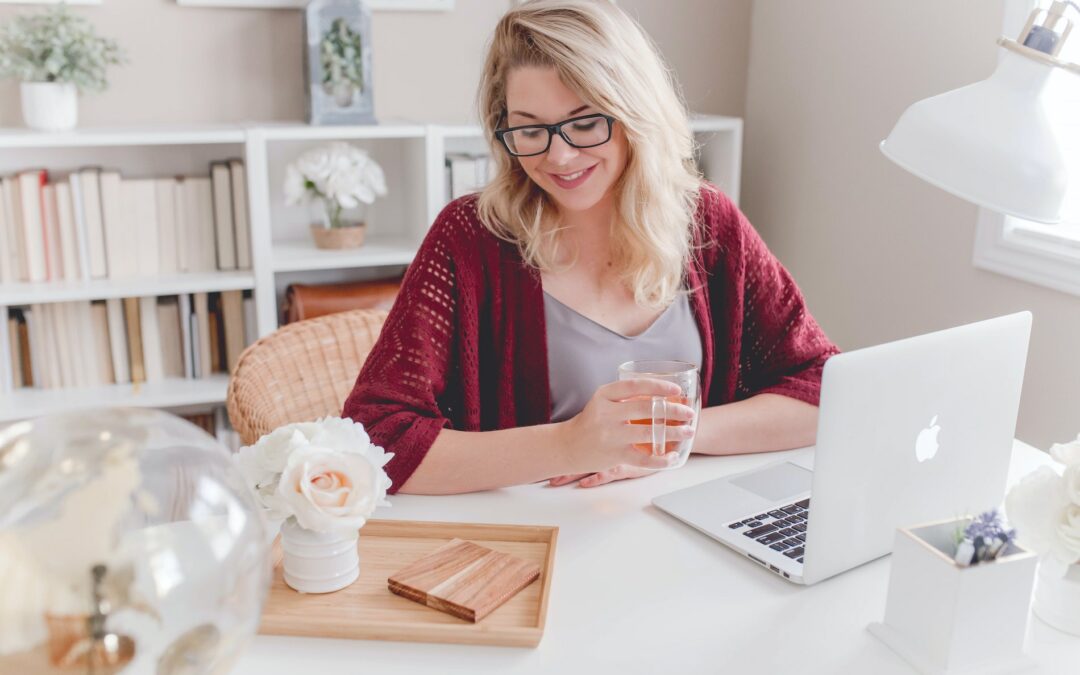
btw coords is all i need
(471, 461)
(762, 423)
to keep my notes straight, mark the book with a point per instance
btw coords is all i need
(232, 312)
(121, 248)
(93, 224)
(50, 224)
(69, 245)
(172, 350)
(24, 352)
(241, 221)
(223, 215)
(251, 326)
(141, 202)
(118, 341)
(15, 360)
(33, 224)
(216, 351)
(168, 235)
(202, 330)
(187, 343)
(153, 362)
(201, 249)
(86, 346)
(13, 216)
(99, 317)
(133, 328)
(32, 316)
(8, 272)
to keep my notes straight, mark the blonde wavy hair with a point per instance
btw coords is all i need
(605, 57)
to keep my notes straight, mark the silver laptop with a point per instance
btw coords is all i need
(908, 432)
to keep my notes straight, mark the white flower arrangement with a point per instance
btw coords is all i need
(1045, 507)
(343, 176)
(326, 474)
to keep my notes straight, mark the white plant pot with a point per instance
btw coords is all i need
(1057, 596)
(50, 106)
(318, 562)
(944, 618)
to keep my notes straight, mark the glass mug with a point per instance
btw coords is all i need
(686, 376)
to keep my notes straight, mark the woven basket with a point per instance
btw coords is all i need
(300, 372)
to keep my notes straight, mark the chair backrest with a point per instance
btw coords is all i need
(300, 372)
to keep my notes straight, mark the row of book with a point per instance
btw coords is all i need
(128, 340)
(95, 224)
(467, 173)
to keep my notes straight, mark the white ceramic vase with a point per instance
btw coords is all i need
(318, 562)
(50, 106)
(1057, 596)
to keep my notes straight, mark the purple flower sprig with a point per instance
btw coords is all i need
(984, 539)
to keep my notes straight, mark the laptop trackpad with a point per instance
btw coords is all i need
(776, 483)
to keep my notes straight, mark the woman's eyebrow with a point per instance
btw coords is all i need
(533, 117)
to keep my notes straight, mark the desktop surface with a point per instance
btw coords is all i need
(637, 591)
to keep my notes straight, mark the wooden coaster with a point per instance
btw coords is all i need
(464, 579)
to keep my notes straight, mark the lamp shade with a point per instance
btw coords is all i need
(990, 143)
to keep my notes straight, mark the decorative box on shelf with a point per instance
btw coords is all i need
(942, 617)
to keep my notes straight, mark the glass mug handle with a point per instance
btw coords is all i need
(659, 425)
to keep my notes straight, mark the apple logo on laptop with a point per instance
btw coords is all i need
(926, 445)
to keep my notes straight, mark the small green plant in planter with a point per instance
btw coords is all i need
(55, 55)
(341, 50)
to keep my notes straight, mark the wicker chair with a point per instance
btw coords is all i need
(300, 372)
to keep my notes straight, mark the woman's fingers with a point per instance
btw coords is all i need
(627, 389)
(642, 409)
(559, 481)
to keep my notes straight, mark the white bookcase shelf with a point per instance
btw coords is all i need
(412, 156)
(173, 393)
(300, 255)
(101, 289)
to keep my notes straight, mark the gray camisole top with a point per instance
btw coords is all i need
(582, 354)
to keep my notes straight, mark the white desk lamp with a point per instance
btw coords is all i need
(991, 142)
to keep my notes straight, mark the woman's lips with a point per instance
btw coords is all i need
(579, 177)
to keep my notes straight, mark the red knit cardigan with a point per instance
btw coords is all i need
(464, 346)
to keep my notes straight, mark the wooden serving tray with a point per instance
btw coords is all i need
(367, 610)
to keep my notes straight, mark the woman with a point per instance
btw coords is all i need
(596, 221)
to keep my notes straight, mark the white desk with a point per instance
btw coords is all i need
(635, 591)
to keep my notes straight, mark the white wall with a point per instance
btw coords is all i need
(880, 254)
(192, 64)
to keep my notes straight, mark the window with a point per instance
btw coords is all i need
(1048, 255)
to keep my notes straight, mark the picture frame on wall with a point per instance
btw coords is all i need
(376, 5)
(337, 55)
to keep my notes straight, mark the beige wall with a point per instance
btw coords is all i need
(226, 65)
(879, 253)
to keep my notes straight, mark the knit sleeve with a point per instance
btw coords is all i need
(782, 348)
(398, 395)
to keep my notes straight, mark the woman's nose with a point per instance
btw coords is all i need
(560, 152)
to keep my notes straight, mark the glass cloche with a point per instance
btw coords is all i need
(128, 544)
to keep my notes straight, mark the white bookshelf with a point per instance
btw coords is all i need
(412, 156)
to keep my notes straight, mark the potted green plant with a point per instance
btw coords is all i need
(55, 55)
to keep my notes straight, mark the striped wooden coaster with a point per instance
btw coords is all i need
(464, 579)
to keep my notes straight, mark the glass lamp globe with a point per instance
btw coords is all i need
(128, 544)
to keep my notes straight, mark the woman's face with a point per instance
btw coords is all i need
(576, 178)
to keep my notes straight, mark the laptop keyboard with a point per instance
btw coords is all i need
(782, 529)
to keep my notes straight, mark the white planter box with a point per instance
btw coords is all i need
(944, 618)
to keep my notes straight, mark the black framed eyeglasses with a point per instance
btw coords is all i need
(587, 131)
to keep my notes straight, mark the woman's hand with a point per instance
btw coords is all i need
(600, 439)
(588, 480)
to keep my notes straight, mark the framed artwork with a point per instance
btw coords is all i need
(392, 5)
(50, 2)
(337, 64)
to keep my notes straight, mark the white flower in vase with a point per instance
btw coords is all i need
(340, 175)
(325, 478)
(1045, 507)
